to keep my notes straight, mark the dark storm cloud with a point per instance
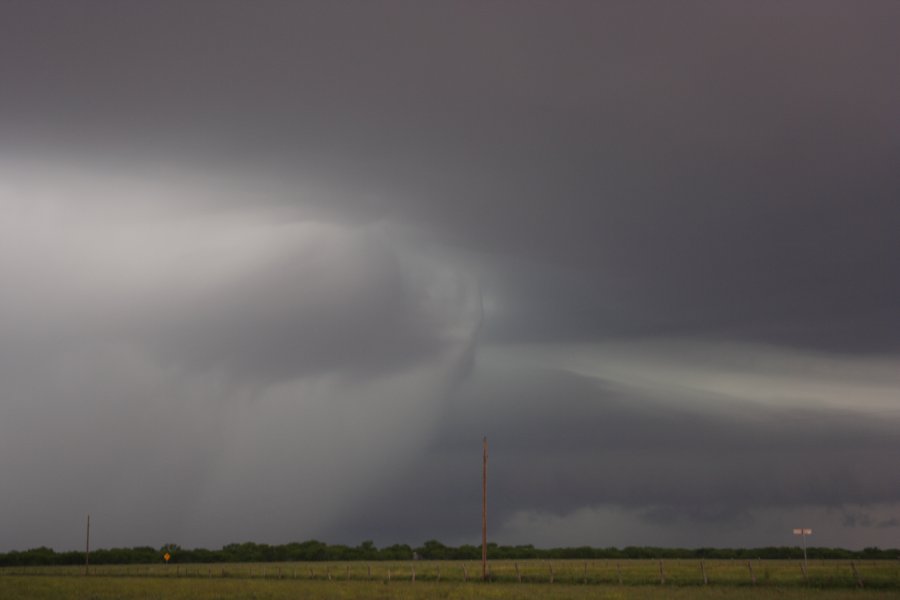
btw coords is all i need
(695, 168)
(275, 237)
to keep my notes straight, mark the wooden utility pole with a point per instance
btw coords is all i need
(484, 509)
(87, 545)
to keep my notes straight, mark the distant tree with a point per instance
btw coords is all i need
(367, 550)
(314, 550)
(396, 552)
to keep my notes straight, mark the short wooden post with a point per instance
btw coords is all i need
(859, 580)
(550, 564)
(619, 572)
(703, 572)
(752, 576)
(465, 573)
(662, 574)
(518, 574)
(413, 573)
(585, 572)
(389, 575)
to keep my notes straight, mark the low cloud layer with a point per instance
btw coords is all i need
(566, 446)
(270, 272)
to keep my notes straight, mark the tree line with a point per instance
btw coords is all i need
(314, 550)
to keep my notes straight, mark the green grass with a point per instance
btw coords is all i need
(122, 588)
(350, 581)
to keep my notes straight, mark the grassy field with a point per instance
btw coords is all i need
(571, 579)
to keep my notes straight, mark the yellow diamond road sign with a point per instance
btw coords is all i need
(167, 556)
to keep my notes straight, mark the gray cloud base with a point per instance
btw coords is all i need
(562, 442)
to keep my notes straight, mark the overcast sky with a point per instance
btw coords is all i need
(270, 270)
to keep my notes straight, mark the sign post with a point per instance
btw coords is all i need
(803, 532)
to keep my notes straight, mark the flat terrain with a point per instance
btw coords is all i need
(573, 579)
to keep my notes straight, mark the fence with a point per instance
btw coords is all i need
(635, 572)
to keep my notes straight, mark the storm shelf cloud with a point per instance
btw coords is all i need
(269, 271)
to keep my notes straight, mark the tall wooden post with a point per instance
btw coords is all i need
(484, 509)
(87, 545)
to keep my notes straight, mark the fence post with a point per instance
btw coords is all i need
(619, 572)
(465, 573)
(550, 564)
(518, 575)
(703, 572)
(859, 580)
(752, 576)
(585, 572)
(662, 574)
